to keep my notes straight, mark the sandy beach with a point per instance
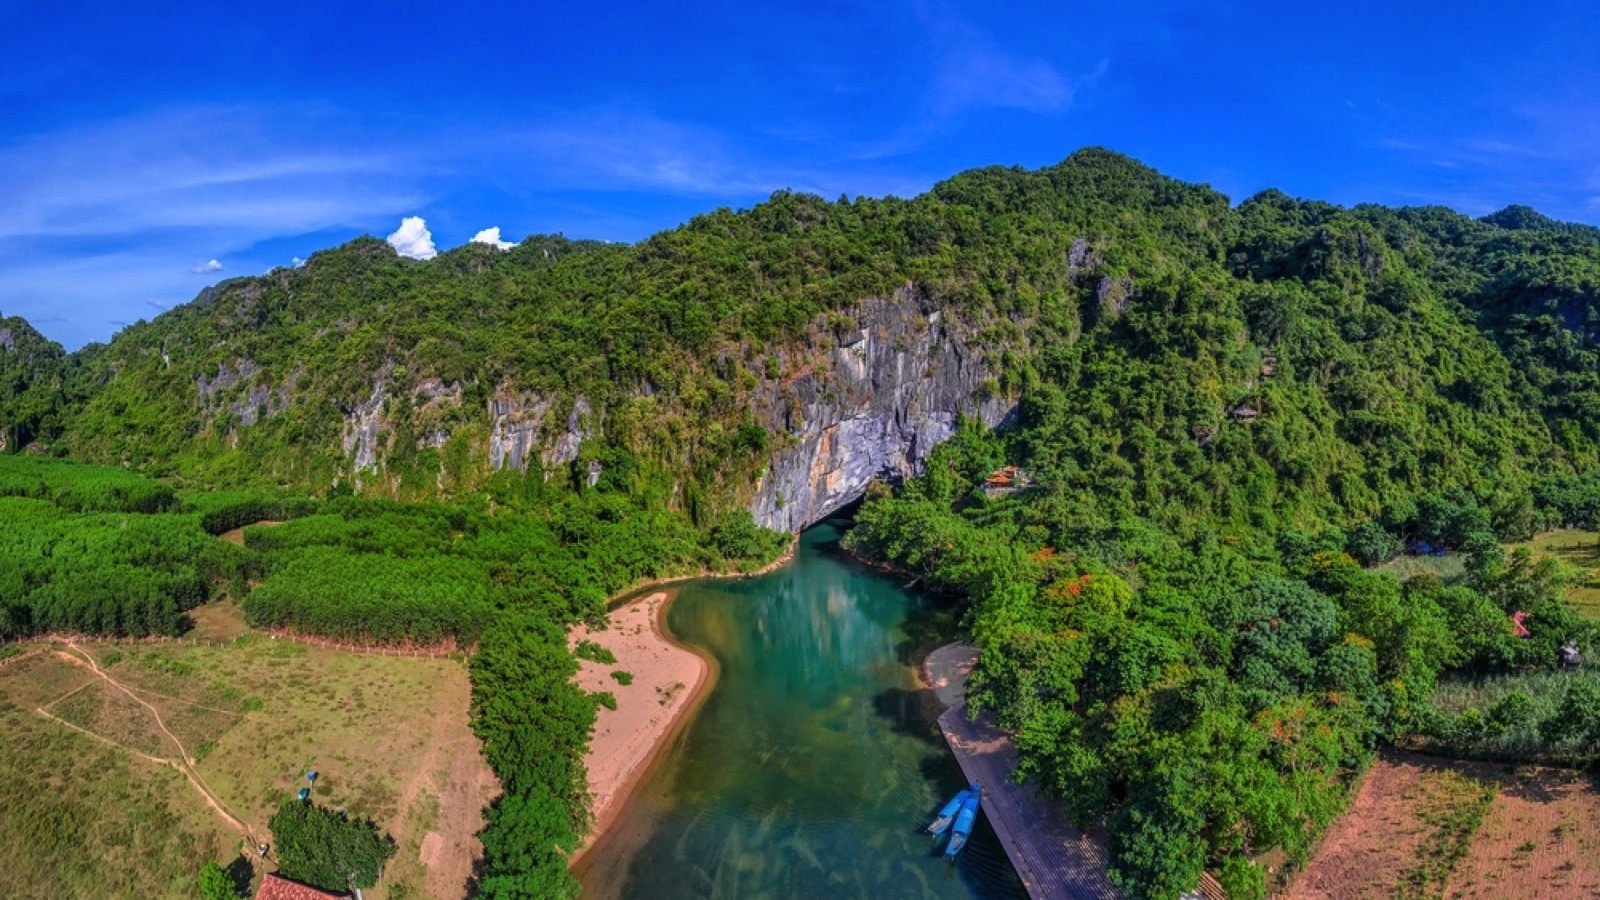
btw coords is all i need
(668, 680)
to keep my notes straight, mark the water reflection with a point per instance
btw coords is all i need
(814, 760)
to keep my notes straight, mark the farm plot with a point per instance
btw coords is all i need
(1423, 827)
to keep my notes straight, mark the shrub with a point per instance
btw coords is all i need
(323, 848)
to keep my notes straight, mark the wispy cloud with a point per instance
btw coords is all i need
(973, 71)
(100, 216)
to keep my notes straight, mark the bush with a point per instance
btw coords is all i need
(621, 677)
(1370, 544)
(323, 848)
(594, 652)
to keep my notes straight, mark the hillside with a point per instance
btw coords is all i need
(1406, 348)
(1223, 412)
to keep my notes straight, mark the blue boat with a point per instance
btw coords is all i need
(963, 826)
(946, 816)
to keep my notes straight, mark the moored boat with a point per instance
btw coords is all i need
(962, 829)
(947, 815)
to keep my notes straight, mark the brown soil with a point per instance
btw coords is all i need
(1371, 848)
(236, 536)
(219, 620)
(1541, 839)
(452, 769)
(1540, 836)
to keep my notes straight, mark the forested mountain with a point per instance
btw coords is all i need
(34, 385)
(1223, 413)
(1140, 317)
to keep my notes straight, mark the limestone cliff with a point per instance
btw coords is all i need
(877, 399)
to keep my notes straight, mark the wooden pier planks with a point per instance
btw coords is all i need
(1054, 860)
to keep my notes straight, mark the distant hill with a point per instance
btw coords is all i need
(1134, 316)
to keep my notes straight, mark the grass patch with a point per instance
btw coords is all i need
(1453, 806)
(621, 677)
(1450, 568)
(80, 819)
(1579, 554)
(595, 653)
(256, 715)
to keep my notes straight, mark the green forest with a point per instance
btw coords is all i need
(1231, 416)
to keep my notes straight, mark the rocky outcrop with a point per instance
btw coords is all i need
(874, 401)
(363, 424)
(518, 429)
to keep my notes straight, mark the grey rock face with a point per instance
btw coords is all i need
(892, 390)
(227, 376)
(515, 429)
(518, 429)
(6, 340)
(361, 427)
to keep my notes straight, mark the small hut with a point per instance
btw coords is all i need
(1244, 412)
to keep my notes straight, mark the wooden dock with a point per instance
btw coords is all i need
(1054, 860)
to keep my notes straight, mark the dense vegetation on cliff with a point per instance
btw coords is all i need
(1216, 404)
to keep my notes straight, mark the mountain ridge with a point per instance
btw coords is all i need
(672, 364)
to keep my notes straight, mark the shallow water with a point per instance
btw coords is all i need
(813, 763)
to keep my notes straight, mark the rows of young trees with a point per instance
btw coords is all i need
(1210, 698)
(90, 550)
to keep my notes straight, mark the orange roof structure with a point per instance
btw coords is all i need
(276, 887)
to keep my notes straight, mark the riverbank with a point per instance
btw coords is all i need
(667, 682)
(1054, 860)
(628, 596)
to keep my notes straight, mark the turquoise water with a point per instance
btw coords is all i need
(815, 760)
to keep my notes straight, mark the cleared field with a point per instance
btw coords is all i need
(1579, 551)
(389, 737)
(1449, 569)
(1425, 827)
(1541, 839)
(79, 818)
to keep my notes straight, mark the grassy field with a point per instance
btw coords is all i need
(90, 808)
(1579, 552)
(1448, 569)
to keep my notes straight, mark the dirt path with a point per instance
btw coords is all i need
(94, 667)
(194, 779)
(452, 768)
(184, 764)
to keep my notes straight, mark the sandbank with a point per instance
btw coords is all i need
(669, 681)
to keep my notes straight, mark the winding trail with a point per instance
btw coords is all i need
(185, 763)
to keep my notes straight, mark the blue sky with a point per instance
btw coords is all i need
(141, 143)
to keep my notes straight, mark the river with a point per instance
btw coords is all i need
(814, 761)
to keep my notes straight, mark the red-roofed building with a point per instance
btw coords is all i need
(1519, 627)
(276, 887)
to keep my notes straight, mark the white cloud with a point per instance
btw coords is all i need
(297, 262)
(413, 239)
(491, 236)
(207, 267)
